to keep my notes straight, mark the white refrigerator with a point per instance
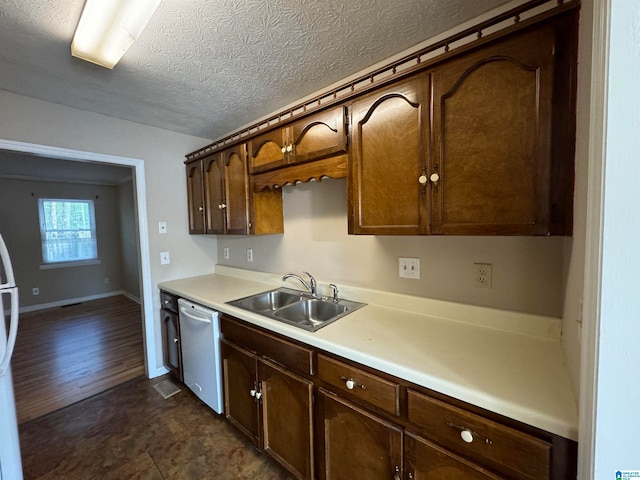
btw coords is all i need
(10, 462)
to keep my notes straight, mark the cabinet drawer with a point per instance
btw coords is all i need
(169, 302)
(287, 354)
(365, 386)
(505, 449)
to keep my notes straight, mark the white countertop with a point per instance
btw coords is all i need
(506, 362)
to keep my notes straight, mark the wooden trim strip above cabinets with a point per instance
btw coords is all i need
(451, 46)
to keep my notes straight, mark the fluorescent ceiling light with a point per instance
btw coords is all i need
(107, 28)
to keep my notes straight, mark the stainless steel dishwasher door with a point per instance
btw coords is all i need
(200, 340)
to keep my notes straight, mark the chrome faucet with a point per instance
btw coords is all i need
(312, 286)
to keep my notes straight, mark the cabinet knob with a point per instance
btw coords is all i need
(289, 148)
(201, 208)
(222, 206)
(175, 340)
(252, 392)
(396, 475)
(350, 383)
(434, 178)
(284, 149)
(466, 435)
(422, 179)
(258, 395)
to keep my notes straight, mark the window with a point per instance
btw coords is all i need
(68, 230)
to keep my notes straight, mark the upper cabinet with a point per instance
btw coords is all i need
(493, 115)
(318, 136)
(221, 200)
(389, 160)
(485, 163)
(477, 141)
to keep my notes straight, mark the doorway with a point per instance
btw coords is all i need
(138, 174)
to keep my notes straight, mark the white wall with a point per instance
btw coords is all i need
(618, 359)
(527, 271)
(28, 120)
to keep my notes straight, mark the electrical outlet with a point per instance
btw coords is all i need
(106, 279)
(162, 227)
(482, 275)
(164, 258)
(409, 268)
(35, 291)
(225, 253)
(249, 254)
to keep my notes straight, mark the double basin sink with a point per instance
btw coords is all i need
(297, 308)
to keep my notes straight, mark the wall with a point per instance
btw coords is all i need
(527, 271)
(20, 226)
(617, 385)
(29, 120)
(129, 241)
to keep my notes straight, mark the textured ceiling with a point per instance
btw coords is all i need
(207, 67)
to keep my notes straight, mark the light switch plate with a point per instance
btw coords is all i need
(409, 268)
(249, 254)
(225, 253)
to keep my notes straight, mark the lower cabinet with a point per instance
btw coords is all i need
(353, 443)
(368, 424)
(171, 347)
(272, 406)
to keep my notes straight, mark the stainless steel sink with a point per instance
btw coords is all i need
(297, 308)
(268, 301)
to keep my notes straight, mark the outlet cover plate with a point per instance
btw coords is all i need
(409, 268)
(482, 273)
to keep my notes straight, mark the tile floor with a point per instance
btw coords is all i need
(131, 432)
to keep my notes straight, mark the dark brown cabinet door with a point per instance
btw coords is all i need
(426, 461)
(354, 443)
(318, 136)
(492, 138)
(389, 156)
(171, 338)
(215, 194)
(236, 201)
(287, 416)
(268, 151)
(240, 387)
(195, 193)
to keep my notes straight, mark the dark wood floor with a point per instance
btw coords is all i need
(131, 432)
(67, 354)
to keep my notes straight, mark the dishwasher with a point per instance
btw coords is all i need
(200, 340)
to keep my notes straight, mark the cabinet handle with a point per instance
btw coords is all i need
(351, 383)
(222, 206)
(435, 178)
(468, 435)
(396, 475)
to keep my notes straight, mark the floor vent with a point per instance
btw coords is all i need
(166, 388)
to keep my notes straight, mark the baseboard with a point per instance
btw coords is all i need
(69, 301)
(131, 297)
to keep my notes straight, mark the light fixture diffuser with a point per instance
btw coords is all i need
(107, 28)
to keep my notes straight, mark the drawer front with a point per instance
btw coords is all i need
(363, 385)
(283, 352)
(500, 447)
(169, 302)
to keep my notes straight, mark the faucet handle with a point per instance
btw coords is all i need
(312, 280)
(334, 289)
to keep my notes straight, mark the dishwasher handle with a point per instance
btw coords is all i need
(195, 312)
